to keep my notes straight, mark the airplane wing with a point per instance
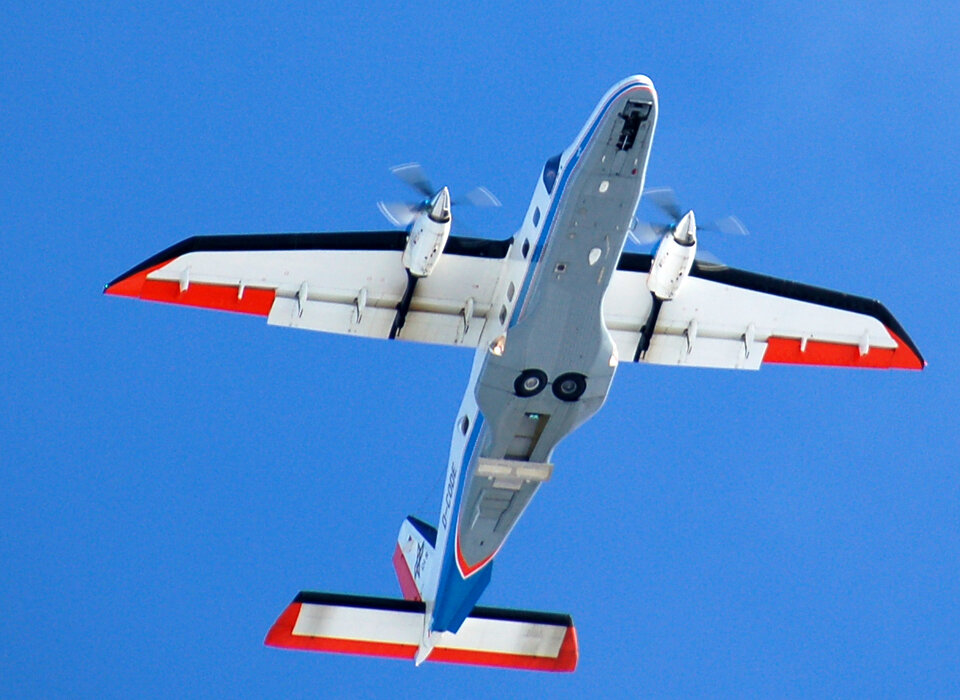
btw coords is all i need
(723, 317)
(335, 282)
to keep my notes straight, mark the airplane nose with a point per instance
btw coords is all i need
(440, 206)
(686, 231)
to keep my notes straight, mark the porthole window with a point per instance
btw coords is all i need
(526, 248)
(464, 425)
(536, 216)
(503, 314)
(511, 290)
(550, 172)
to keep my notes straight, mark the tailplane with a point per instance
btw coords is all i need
(392, 628)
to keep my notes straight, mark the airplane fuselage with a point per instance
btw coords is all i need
(533, 385)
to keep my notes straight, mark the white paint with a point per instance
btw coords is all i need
(428, 236)
(392, 627)
(438, 325)
(723, 314)
(336, 275)
(671, 266)
(512, 473)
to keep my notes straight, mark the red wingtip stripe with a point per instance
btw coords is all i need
(569, 651)
(207, 296)
(407, 585)
(132, 286)
(282, 629)
(788, 351)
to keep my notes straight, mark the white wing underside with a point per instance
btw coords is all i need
(709, 324)
(354, 292)
(730, 320)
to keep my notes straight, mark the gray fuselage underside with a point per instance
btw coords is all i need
(560, 328)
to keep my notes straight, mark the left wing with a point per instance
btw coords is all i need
(335, 282)
(723, 317)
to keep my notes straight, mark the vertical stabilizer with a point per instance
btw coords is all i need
(413, 557)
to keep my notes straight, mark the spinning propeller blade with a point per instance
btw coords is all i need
(414, 175)
(398, 213)
(402, 214)
(479, 197)
(665, 199)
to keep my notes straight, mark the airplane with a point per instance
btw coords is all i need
(551, 312)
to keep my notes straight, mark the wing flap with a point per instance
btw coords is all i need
(392, 628)
(674, 349)
(447, 327)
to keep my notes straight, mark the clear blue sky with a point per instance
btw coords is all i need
(172, 477)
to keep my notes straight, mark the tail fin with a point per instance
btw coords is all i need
(391, 628)
(413, 557)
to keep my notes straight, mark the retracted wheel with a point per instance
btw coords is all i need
(569, 386)
(530, 382)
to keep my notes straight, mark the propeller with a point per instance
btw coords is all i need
(665, 199)
(402, 214)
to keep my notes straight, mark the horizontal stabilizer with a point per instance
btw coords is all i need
(392, 628)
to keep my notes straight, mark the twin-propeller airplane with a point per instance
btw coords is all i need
(552, 312)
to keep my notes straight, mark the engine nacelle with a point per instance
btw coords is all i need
(674, 259)
(428, 235)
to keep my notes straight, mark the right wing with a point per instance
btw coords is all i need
(723, 317)
(335, 282)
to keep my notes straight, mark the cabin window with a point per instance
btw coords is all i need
(550, 172)
(536, 216)
(526, 248)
